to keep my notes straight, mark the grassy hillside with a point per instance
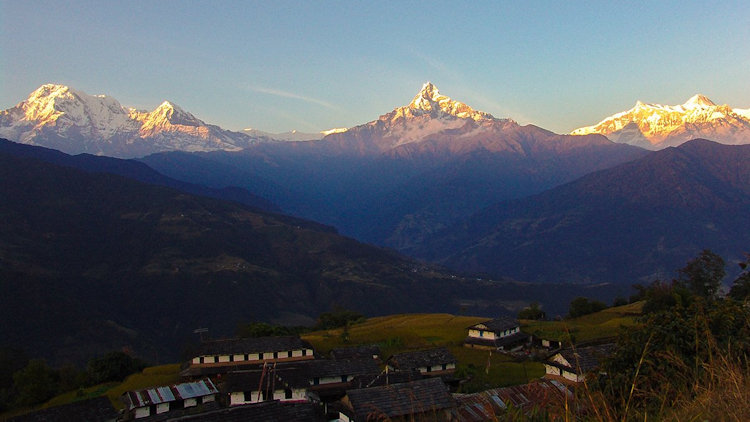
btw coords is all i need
(398, 333)
(599, 325)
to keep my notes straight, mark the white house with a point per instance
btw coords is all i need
(268, 384)
(503, 333)
(573, 364)
(157, 400)
(252, 350)
(430, 362)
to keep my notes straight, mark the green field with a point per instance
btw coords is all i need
(599, 325)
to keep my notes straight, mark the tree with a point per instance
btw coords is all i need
(338, 318)
(35, 383)
(741, 287)
(533, 311)
(583, 306)
(703, 274)
(113, 366)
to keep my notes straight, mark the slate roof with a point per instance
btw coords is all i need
(156, 395)
(320, 368)
(487, 405)
(421, 358)
(195, 371)
(358, 352)
(385, 378)
(515, 338)
(98, 409)
(239, 346)
(497, 325)
(586, 359)
(270, 411)
(395, 400)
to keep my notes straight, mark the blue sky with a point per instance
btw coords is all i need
(312, 65)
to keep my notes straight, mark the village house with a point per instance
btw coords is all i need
(503, 333)
(222, 356)
(430, 362)
(270, 383)
(573, 364)
(154, 401)
(426, 399)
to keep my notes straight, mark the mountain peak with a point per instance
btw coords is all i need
(698, 100)
(429, 99)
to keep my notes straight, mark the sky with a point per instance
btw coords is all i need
(316, 65)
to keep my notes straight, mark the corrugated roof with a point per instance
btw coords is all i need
(488, 405)
(165, 394)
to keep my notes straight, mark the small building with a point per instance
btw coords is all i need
(97, 409)
(158, 400)
(503, 333)
(426, 399)
(331, 378)
(253, 386)
(253, 350)
(430, 362)
(573, 364)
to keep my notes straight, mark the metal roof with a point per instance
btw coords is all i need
(165, 394)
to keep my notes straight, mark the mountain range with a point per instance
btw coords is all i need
(102, 252)
(91, 262)
(59, 117)
(406, 174)
(635, 222)
(656, 126)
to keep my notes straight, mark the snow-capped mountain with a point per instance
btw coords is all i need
(433, 122)
(293, 135)
(656, 126)
(59, 117)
